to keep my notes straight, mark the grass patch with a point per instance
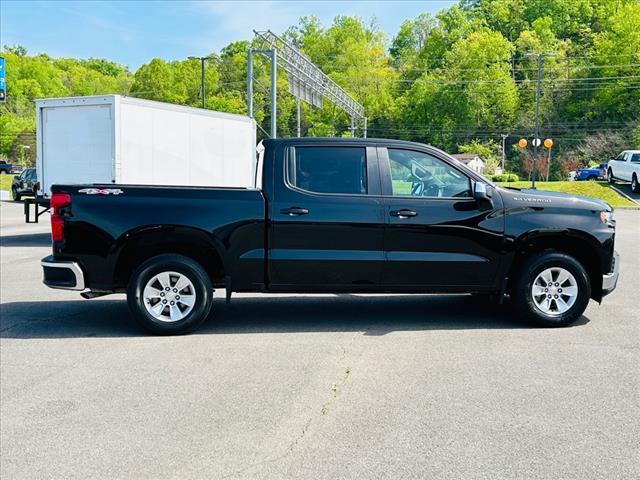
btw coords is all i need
(599, 190)
(5, 181)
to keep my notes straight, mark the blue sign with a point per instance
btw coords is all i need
(3, 85)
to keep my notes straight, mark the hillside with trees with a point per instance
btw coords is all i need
(457, 80)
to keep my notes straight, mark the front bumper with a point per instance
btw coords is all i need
(610, 280)
(62, 274)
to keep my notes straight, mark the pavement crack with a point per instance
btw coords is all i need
(334, 394)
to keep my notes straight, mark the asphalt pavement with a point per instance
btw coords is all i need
(319, 387)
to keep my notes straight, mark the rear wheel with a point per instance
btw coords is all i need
(634, 184)
(170, 294)
(610, 178)
(592, 178)
(552, 289)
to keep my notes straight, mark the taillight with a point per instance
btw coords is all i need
(58, 201)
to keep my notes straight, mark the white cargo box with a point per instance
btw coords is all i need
(115, 139)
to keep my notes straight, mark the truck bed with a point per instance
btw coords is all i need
(212, 221)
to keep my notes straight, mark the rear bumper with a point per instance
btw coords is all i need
(610, 280)
(63, 274)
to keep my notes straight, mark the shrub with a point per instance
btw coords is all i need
(505, 177)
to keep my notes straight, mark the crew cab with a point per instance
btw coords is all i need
(625, 167)
(333, 215)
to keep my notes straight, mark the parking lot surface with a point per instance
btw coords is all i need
(302, 386)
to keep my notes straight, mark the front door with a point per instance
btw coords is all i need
(327, 219)
(437, 235)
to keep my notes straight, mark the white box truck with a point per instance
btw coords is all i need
(112, 138)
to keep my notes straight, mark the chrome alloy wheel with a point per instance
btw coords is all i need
(169, 296)
(554, 291)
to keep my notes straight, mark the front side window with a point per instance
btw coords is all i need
(340, 170)
(420, 175)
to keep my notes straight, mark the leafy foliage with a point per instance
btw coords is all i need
(457, 80)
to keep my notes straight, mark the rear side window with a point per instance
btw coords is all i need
(635, 157)
(329, 169)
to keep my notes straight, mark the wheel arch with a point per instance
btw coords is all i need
(135, 247)
(579, 245)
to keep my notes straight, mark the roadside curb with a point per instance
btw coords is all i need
(631, 199)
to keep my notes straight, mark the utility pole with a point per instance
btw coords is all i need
(202, 86)
(504, 138)
(298, 116)
(250, 83)
(536, 139)
(274, 74)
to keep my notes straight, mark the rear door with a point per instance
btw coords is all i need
(437, 235)
(326, 218)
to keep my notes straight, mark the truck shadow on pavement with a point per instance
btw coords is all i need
(371, 315)
(30, 240)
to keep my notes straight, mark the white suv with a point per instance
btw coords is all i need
(625, 167)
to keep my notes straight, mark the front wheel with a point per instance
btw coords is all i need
(610, 178)
(634, 184)
(170, 294)
(552, 289)
(16, 196)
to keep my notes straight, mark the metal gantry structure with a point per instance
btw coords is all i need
(306, 81)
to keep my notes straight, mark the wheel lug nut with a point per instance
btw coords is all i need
(546, 289)
(549, 296)
(164, 301)
(177, 297)
(162, 294)
(550, 284)
(555, 296)
(175, 290)
(173, 303)
(167, 289)
(559, 290)
(557, 284)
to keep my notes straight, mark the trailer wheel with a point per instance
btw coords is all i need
(170, 294)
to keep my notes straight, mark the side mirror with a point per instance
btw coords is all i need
(482, 194)
(480, 191)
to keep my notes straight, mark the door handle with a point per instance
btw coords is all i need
(294, 211)
(403, 213)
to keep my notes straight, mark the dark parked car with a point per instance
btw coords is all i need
(333, 215)
(24, 184)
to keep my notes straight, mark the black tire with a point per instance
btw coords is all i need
(635, 186)
(610, 178)
(16, 196)
(171, 263)
(592, 178)
(523, 301)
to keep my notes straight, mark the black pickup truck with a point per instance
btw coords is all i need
(333, 215)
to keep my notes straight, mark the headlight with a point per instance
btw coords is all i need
(607, 217)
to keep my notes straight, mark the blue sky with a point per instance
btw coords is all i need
(133, 32)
